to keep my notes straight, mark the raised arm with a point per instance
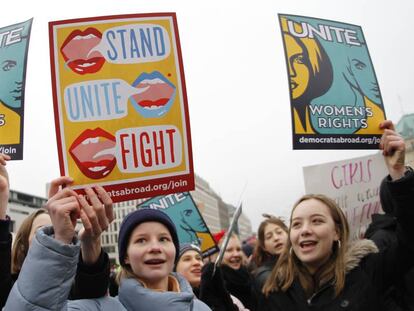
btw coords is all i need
(48, 270)
(96, 214)
(393, 150)
(396, 255)
(400, 182)
(4, 185)
(6, 281)
(52, 260)
(93, 273)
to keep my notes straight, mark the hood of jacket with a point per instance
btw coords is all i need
(134, 296)
(357, 251)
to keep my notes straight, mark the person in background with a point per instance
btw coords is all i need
(92, 274)
(237, 278)
(148, 248)
(272, 238)
(248, 246)
(206, 286)
(324, 271)
(189, 265)
(113, 285)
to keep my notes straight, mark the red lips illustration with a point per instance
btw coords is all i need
(76, 48)
(93, 153)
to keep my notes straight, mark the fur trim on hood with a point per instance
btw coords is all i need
(357, 251)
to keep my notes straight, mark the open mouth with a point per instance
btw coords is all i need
(76, 51)
(158, 97)
(196, 271)
(235, 260)
(93, 152)
(293, 85)
(154, 261)
(307, 245)
(279, 246)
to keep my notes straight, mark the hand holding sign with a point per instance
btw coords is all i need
(393, 147)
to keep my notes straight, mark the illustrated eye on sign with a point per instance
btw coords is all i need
(86, 51)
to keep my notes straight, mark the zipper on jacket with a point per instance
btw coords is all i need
(323, 288)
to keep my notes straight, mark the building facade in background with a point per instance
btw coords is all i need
(20, 206)
(216, 213)
(208, 203)
(214, 210)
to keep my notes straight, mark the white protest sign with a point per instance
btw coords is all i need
(353, 184)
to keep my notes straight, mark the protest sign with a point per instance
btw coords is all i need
(335, 98)
(191, 227)
(353, 184)
(120, 104)
(14, 46)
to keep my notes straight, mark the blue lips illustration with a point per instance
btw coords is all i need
(157, 100)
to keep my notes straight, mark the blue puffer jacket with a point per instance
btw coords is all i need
(48, 271)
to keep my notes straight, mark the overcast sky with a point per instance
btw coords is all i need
(236, 84)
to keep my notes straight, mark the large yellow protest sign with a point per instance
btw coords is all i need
(120, 104)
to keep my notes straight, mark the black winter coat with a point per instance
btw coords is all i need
(261, 274)
(369, 272)
(359, 293)
(382, 230)
(240, 284)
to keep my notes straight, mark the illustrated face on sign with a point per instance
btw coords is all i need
(93, 152)
(361, 74)
(188, 222)
(191, 224)
(11, 75)
(76, 51)
(158, 98)
(299, 73)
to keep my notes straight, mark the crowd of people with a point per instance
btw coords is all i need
(307, 264)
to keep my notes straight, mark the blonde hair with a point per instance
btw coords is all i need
(290, 267)
(232, 236)
(125, 272)
(21, 242)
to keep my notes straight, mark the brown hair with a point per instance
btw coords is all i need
(260, 255)
(289, 266)
(21, 242)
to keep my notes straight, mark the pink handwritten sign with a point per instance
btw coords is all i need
(353, 184)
